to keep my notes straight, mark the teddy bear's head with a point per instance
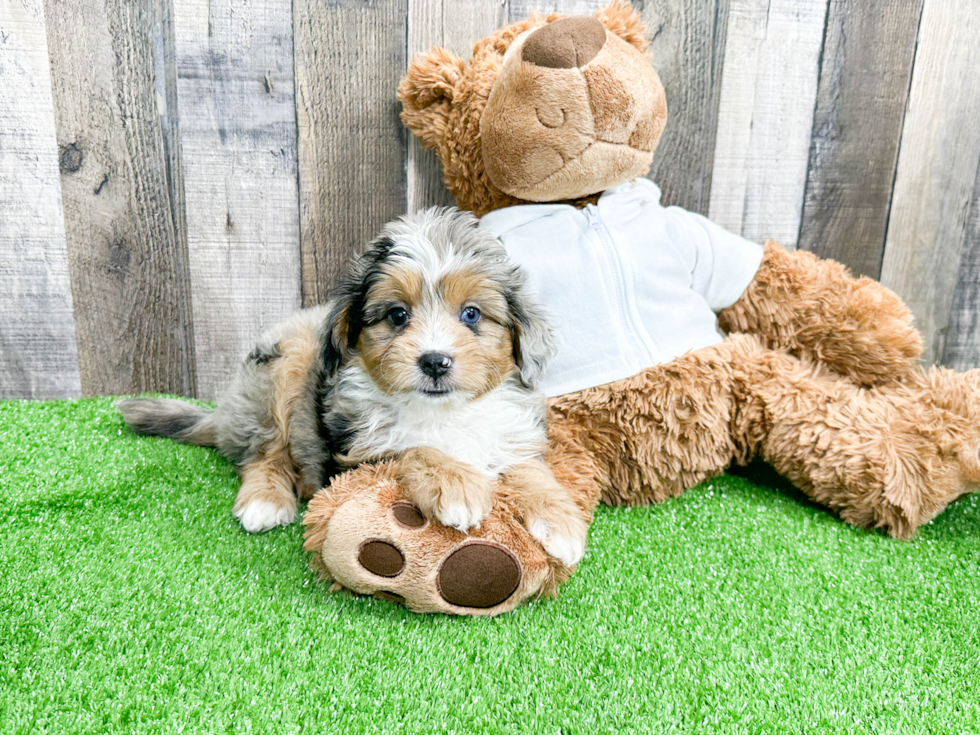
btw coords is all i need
(548, 109)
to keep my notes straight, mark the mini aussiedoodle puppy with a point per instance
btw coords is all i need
(429, 353)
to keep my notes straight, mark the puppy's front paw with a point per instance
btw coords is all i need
(261, 515)
(450, 491)
(458, 500)
(462, 515)
(562, 536)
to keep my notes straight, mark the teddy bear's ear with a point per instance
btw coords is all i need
(426, 93)
(624, 20)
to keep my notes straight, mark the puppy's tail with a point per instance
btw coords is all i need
(171, 418)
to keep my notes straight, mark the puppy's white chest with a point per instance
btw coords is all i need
(490, 434)
(489, 441)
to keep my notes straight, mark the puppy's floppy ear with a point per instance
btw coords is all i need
(336, 333)
(622, 19)
(534, 343)
(342, 329)
(426, 93)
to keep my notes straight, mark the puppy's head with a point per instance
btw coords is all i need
(434, 308)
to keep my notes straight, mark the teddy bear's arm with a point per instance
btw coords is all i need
(814, 308)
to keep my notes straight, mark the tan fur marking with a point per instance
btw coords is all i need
(291, 372)
(399, 284)
(273, 474)
(486, 360)
(268, 479)
(388, 354)
(469, 287)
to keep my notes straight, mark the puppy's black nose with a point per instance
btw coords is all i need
(435, 364)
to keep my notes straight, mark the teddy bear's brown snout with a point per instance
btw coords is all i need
(565, 44)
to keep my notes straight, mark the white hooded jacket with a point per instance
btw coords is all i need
(627, 283)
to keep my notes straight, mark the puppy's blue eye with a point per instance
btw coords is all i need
(398, 317)
(470, 315)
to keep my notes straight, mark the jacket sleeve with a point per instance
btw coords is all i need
(723, 264)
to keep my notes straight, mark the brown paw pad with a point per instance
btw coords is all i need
(408, 515)
(381, 558)
(478, 575)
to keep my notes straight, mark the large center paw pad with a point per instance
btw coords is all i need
(479, 575)
(364, 535)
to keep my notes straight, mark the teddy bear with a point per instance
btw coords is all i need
(685, 349)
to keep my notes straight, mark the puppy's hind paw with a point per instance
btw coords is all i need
(261, 515)
(565, 543)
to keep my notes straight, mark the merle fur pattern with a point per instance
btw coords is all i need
(242, 424)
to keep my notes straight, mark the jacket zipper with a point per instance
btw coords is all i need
(612, 257)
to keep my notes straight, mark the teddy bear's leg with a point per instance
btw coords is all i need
(891, 457)
(815, 309)
(649, 437)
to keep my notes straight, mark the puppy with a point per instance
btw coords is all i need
(429, 353)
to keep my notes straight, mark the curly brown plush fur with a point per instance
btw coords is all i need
(813, 307)
(818, 376)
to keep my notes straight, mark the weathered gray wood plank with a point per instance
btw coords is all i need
(865, 71)
(238, 150)
(349, 58)
(38, 357)
(454, 26)
(937, 166)
(765, 117)
(521, 9)
(688, 46)
(962, 348)
(126, 241)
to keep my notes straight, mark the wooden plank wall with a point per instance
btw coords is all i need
(937, 166)
(239, 155)
(123, 222)
(865, 72)
(219, 160)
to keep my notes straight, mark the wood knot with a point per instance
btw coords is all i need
(70, 158)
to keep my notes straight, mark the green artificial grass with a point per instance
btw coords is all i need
(130, 602)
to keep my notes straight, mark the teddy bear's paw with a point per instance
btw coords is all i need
(478, 574)
(563, 537)
(262, 515)
(423, 565)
